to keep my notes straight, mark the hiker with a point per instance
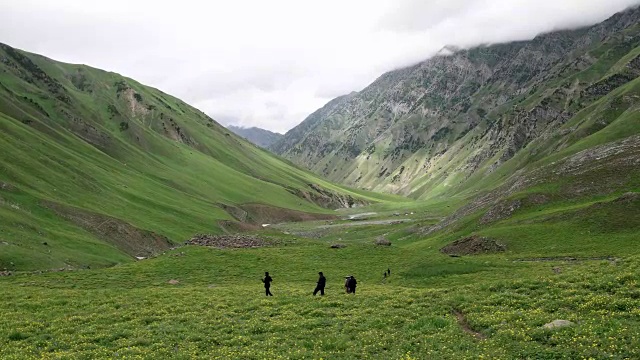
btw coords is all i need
(322, 281)
(351, 283)
(267, 283)
(346, 284)
(388, 272)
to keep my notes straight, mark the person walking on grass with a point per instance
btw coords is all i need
(322, 281)
(267, 284)
(351, 285)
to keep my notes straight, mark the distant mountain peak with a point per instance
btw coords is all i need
(448, 50)
(261, 137)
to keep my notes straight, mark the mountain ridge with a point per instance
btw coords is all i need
(258, 136)
(420, 119)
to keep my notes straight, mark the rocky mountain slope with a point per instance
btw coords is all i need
(96, 168)
(261, 137)
(463, 122)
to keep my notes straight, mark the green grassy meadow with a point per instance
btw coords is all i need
(432, 306)
(220, 311)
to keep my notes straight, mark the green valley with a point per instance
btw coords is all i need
(84, 149)
(500, 185)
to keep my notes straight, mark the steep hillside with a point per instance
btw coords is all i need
(449, 124)
(96, 168)
(261, 137)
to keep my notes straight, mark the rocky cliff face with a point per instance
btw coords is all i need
(438, 126)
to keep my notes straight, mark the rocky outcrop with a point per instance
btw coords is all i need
(502, 210)
(382, 241)
(473, 245)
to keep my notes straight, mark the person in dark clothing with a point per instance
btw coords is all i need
(267, 284)
(322, 281)
(388, 272)
(351, 285)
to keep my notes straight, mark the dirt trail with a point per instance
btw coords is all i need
(462, 321)
(567, 258)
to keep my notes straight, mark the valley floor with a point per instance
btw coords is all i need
(432, 306)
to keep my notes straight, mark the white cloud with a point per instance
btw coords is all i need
(271, 63)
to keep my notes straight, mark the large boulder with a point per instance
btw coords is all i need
(556, 324)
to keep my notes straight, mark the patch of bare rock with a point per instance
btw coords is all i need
(7, 187)
(382, 241)
(628, 197)
(556, 324)
(501, 210)
(473, 245)
(228, 241)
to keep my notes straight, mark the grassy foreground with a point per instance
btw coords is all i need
(432, 306)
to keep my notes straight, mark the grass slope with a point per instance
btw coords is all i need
(107, 145)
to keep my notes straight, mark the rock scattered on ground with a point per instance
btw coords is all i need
(227, 241)
(5, 273)
(7, 186)
(628, 197)
(555, 324)
(500, 211)
(473, 245)
(338, 246)
(173, 282)
(382, 241)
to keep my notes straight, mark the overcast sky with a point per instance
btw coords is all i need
(271, 63)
